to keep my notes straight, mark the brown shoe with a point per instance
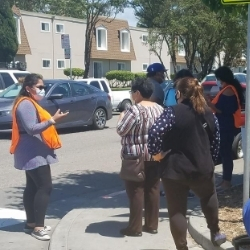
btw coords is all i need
(148, 230)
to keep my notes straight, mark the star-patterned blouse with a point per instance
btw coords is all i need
(165, 123)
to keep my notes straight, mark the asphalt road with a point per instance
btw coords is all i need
(88, 164)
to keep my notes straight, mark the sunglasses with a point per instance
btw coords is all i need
(41, 87)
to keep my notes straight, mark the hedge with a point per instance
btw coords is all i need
(76, 72)
(122, 78)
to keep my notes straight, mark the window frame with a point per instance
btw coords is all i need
(144, 35)
(121, 63)
(101, 28)
(121, 40)
(46, 59)
(63, 32)
(62, 60)
(44, 22)
(144, 70)
(18, 28)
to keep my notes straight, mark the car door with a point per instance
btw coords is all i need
(84, 101)
(64, 104)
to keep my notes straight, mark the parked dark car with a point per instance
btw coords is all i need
(86, 104)
(211, 89)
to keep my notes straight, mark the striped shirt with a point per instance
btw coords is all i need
(134, 127)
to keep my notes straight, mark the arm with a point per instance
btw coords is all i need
(227, 105)
(163, 125)
(215, 145)
(27, 114)
(126, 122)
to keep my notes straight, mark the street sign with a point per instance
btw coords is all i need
(65, 41)
(226, 2)
(67, 53)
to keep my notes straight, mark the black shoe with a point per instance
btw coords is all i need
(190, 195)
(151, 231)
(162, 193)
(127, 232)
(218, 239)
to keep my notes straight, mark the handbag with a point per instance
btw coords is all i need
(132, 168)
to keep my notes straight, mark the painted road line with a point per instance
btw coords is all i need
(9, 217)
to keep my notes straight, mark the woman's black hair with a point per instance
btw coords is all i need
(144, 86)
(226, 75)
(182, 73)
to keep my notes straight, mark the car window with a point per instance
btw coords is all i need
(104, 85)
(95, 84)
(1, 83)
(211, 78)
(207, 88)
(80, 89)
(240, 78)
(20, 75)
(63, 89)
(7, 79)
(11, 92)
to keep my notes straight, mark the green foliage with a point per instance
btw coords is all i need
(76, 72)
(140, 75)
(8, 33)
(172, 76)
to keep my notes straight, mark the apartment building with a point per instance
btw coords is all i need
(115, 45)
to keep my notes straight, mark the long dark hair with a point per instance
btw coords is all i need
(226, 75)
(29, 81)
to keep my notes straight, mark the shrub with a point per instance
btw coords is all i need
(76, 72)
(141, 75)
(172, 76)
(120, 78)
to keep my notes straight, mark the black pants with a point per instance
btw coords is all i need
(176, 194)
(226, 142)
(144, 193)
(36, 194)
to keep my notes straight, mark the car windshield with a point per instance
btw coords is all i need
(11, 92)
(209, 78)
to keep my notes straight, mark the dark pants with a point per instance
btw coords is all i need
(176, 194)
(36, 194)
(226, 142)
(147, 191)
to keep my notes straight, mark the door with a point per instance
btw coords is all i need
(85, 101)
(64, 104)
(98, 71)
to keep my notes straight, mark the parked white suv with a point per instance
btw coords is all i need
(9, 77)
(119, 99)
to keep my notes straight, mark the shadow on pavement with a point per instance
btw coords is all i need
(101, 228)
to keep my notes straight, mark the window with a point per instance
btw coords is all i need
(45, 27)
(181, 49)
(60, 28)
(104, 85)
(61, 64)
(95, 84)
(144, 66)
(18, 29)
(7, 79)
(178, 67)
(79, 89)
(46, 63)
(97, 69)
(62, 89)
(101, 38)
(125, 40)
(144, 38)
(121, 66)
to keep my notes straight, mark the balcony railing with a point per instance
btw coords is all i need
(14, 65)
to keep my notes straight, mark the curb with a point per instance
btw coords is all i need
(197, 228)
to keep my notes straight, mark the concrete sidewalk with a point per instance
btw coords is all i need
(98, 228)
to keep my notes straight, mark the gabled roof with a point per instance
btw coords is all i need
(24, 47)
(113, 26)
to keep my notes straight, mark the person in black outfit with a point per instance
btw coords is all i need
(185, 139)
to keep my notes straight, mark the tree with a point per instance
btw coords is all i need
(8, 33)
(30, 5)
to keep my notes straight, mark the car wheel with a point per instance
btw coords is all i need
(124, 105)
(237, 147)
(99, 119)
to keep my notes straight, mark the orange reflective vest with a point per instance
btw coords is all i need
(237, 114)
(49, 136)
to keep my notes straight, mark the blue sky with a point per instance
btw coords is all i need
(128, 15)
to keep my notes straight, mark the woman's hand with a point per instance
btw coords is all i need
(160, 156)
(59, 115)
